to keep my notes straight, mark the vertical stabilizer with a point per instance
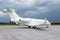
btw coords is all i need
(12, 14)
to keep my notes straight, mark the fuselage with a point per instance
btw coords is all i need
(34, 22)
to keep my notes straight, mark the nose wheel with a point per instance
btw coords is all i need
(47, 27)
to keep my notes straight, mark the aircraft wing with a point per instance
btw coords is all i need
(33, 23)
(37, 23)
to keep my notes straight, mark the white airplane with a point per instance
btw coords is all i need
(31, 23)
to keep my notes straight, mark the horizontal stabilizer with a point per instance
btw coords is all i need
(8, 10)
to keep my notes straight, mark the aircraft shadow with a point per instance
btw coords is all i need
(43, 29)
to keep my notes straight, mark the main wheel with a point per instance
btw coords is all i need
(29, 26)
(34, 27)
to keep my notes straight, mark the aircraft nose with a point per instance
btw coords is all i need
(49, 23)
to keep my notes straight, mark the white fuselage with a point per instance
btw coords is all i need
(34, 22)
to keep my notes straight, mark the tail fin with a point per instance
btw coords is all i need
(11, 13)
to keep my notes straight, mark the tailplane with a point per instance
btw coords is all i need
(11, 13)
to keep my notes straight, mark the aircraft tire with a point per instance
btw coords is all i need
(47, 27)
(29, 26)
(33, 27)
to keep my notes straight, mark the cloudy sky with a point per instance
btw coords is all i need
(49, 9)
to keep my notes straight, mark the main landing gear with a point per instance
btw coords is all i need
(31, 27)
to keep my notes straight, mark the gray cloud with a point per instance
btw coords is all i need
(33, 8)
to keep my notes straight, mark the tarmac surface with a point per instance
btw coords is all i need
(25, 33)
